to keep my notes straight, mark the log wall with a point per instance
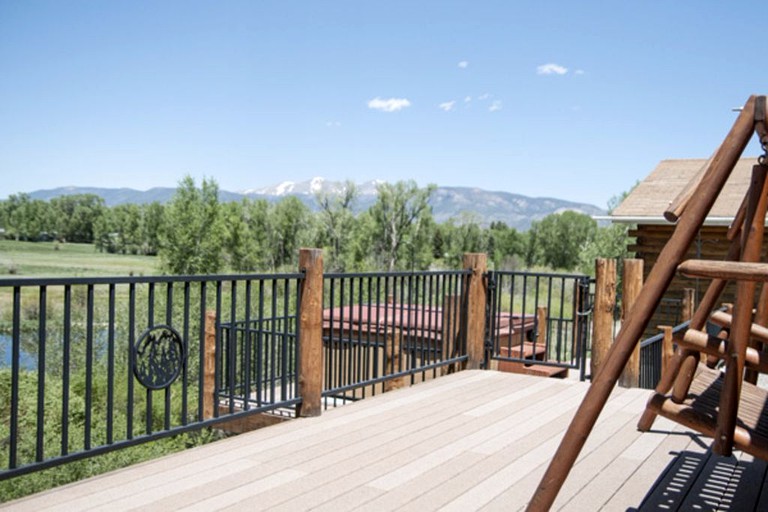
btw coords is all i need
(711, 243)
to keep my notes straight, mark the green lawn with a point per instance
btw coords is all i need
(52, 259)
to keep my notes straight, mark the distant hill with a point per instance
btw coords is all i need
(483, 206)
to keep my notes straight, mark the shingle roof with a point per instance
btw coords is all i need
(651, 197)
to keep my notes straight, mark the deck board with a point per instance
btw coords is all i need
(474, 440)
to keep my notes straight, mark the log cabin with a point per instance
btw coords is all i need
(643, 209)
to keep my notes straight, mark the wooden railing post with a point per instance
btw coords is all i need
(392, 351)
(311, 333)
(449, 330)
(476, 297)
(632, 282)
(667, 347)
(689, 304)
(542, 327)
(209, 365)
(605, 306)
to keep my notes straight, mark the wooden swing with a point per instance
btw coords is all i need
(724, 405)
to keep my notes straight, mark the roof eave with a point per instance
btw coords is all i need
(660, 220)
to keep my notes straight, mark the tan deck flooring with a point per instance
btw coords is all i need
(475, 440)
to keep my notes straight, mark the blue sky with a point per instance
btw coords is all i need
(574, 100)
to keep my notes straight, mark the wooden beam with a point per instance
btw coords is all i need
(724, 319)
(712, 345)
(311, 333)
(728, 270)
(476, 297)
(658, 280)
(678, 204)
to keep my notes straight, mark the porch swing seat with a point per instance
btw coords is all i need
(700, 410)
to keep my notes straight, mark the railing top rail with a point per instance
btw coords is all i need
(658, 337)
(676, 329)
(404, 273)
(537, 274)
(63, 281)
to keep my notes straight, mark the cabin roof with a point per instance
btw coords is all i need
(647, 202)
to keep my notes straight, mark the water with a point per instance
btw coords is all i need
(28, 360)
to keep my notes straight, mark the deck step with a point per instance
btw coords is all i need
(538, 370)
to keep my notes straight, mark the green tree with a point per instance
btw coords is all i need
(28, 219)
(291, 226)
(561, 237)
(151, 226)
(76, 215)
(401, 214)
(336, 224)
(191, 241)
(611, 241)
(239, 242)
(460, 236)
(505, 246)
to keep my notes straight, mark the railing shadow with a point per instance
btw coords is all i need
(705, 481)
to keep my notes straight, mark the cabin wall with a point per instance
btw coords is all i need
(710, 243)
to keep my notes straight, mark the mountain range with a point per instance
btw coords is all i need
(482, 206)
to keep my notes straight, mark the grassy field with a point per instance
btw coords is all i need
(52, 259)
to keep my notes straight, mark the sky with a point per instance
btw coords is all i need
(564, 99)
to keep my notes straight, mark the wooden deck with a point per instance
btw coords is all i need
(475, 440)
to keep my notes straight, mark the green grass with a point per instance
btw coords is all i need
(53, 259)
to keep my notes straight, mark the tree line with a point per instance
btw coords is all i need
(196, 233)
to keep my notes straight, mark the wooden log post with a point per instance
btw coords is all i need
(605, 306)
(475, 299)
(392, 353)
(311, 333)
(209, 365)
(632, 283)
(667, 347)
(542, 325)
(688, 305)
(658, 280)
(449, 329)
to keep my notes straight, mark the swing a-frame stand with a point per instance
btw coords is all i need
(724, 405)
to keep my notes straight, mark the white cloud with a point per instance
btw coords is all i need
(467, 99)
(447, 106)
(496, 105)
(578, 72)
(551, 69)
(389, 104)
(464, 64)
(483, 96)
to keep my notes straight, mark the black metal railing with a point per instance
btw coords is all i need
(540, 318)
(259, 364)
(651, 349)
(669, 309)
(381, 329)
(91, 365)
